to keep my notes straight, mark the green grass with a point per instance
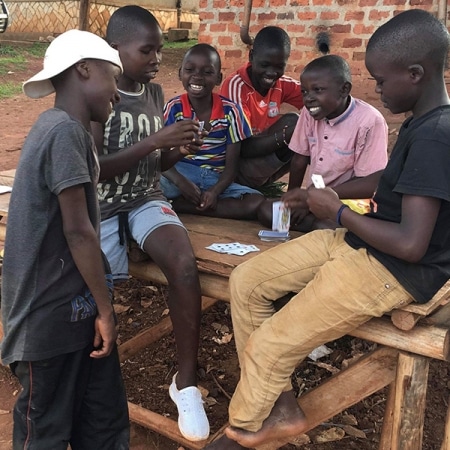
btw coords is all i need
(14, 58)
(180, 44)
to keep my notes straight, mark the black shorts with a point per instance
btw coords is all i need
(71, 399)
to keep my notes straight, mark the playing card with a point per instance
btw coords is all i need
(317, 181)
(233, 248)
(281, 217)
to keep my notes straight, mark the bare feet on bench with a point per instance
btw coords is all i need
(286, 420)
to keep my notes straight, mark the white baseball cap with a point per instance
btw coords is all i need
(65, 51)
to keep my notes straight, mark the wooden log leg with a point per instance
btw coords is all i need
(446, 442)
(388, 419)
(162, 425)
(409, 404)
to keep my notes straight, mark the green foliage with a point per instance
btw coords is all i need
(273, 190)
(14, 58)
(9, 89)
(180, 44)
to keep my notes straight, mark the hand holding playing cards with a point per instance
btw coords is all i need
(295, 198)
(323, 203)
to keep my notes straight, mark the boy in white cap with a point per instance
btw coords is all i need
(58, 319)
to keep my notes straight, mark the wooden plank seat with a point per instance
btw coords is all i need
(407, 340)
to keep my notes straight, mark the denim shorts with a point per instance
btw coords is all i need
(142, 221)
(204, 178)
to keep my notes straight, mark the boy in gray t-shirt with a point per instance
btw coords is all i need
(59, 324)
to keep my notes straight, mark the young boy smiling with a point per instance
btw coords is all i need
(338, 136)
(134, 147)
(204, 183)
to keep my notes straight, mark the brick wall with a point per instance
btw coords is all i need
(350, 23)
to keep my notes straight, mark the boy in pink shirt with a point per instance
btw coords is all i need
(337, 136)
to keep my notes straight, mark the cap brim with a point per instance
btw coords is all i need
(39, 85)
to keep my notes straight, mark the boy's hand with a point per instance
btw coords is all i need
(194, 147)
(208, 201)
(189, 190)
(323, 203)
(105, 335)
(295, 198)
(179, 134)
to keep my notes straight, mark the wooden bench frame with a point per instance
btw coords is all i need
(408, 339)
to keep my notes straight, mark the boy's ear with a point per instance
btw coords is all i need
(113, 45)
(346, 89)
(416, 72)
(82, 67)
(219, 79)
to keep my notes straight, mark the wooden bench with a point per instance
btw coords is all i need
(401, 361)
(408, 339)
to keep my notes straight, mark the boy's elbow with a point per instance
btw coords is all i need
(413, 253)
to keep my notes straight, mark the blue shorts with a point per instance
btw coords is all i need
(142, 222)
(204, 178)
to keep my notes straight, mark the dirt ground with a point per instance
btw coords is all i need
(148, 373)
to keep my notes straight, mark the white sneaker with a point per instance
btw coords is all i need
(192, 420)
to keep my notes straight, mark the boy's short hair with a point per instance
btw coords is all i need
(412, 37)
(126, 19)
(273, 38)
(338, 67)
(203, 48)
(65, 51)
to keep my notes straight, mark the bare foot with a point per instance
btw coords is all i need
(285, 420)
(223, 443)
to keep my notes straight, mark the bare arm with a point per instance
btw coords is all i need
(359, 187)
(299, 163)
(176, 135)
(85, 249)
(407, 240)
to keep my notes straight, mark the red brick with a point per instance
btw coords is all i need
(360, 28)
(338, 28)
(259, 3)
(421, 2)
(225, 40)
(202, 4)
(363, 3)
(294, 28)
(379, 15)
(329, 15)
(203, 15)
(217, 27)
(322, 2)
(207, 38)
(277, 3)
(226, 16)
(307, 15)
(233, 28)
(302, 41)
(352, 43)
(233, 53)
(354, 15)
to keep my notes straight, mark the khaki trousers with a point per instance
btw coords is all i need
(339, 288)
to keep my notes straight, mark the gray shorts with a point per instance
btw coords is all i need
(142, 222)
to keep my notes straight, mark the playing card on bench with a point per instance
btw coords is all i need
(233, 248)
